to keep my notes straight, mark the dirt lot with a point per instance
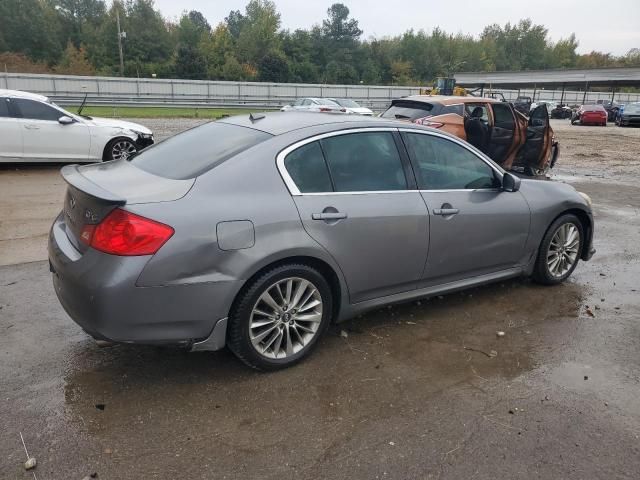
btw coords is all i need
(408, 394)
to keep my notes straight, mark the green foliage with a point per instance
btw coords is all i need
(80, 37)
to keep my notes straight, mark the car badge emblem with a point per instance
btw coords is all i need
(72, 202)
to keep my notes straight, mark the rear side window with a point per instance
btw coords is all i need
(364, 162)
(307, 168)
(410, 110)
(4, 107)
(198, 150)
(35, 110)
(457, 109)
(503, 116)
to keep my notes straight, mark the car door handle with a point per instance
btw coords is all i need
(32, 127)
(445, 211)
(328, 216)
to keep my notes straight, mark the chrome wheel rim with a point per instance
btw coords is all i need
(285, 318)
(563, 250)
(122, 150)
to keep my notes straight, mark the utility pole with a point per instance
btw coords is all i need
(121, 35)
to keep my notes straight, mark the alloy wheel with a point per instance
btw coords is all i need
(285, 318)
(563, 250)
(123, 149)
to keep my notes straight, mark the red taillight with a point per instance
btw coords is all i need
(325, 109)
(127, 234)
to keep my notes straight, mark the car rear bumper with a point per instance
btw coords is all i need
(100, 294)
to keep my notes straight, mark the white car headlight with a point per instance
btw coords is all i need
(587, 198)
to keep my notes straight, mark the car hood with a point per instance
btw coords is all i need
(115, 123)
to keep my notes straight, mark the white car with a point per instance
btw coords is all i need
(313, 104)
(34, 129)
(352, 107)
(549, 103)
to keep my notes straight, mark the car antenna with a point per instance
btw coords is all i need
(84, 100)
(256, 117)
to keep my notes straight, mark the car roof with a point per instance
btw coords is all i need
(20, 94)
(279, 123)
(448, 99)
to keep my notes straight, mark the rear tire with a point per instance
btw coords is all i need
(272, 325)
(559, 251)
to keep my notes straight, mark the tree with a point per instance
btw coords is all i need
(273, 67)
(75, 62)
(30, 27)
(338, 27)
(259, 31)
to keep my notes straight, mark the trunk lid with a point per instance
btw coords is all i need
(95, 190)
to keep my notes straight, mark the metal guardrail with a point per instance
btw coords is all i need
(70, 90)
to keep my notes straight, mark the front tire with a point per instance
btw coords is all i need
(120, 149)
(279, 317)
(559, 251)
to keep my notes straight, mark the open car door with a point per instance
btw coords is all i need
(535, 153)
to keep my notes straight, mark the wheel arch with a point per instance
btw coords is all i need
(112, 140)
(326, 270)
(587, 227)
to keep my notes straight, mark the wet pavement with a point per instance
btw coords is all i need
(413, 392)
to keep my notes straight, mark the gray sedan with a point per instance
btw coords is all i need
(256, 232)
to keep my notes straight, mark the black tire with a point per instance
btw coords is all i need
(238, 335)
(109, 149)
(541, 273)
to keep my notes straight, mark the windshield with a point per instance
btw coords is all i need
(632, 108)
(345, 102)
(410, 110)
(326, 101)
(198, 150)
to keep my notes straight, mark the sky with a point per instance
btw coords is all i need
(611, 26)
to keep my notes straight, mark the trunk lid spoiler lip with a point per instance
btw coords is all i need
(72, 175)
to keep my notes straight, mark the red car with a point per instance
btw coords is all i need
(590, 115)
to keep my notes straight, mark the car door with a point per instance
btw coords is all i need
(45, 139)
(537, 145)
(356, 197)
(504, 133)
(10, 133)
(475, 228)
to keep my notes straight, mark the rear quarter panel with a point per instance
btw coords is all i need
(246, 187)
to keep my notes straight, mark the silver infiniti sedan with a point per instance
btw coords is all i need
(256, 232)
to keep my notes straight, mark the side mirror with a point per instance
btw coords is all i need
(65, 120)
(510, 183)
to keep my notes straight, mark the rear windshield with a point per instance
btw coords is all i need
(198, 150)
(593, 108)
(345, 102)
(409, 110)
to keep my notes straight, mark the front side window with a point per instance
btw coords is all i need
(4, 107)
(445, 165)
(308, 170)
(35, 110)
(364, 162)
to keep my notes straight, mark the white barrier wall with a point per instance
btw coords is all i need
(155, 92)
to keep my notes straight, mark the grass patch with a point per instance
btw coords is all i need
(161, 112)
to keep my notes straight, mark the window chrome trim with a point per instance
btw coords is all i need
(293, 189)
(291, 185)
